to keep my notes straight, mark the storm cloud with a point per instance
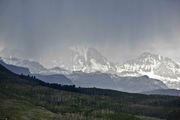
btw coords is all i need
(42, 29)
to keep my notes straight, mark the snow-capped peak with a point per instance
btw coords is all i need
(155, 66)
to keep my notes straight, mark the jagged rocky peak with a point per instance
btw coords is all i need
(90, 60)
(148, 59)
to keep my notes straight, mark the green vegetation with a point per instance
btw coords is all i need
(26, 98)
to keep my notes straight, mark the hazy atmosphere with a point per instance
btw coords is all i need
(44, 29)
(89, 60)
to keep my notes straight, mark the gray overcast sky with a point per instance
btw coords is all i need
(126, 28)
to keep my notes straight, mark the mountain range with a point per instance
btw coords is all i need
(96, 79)
(90, 61)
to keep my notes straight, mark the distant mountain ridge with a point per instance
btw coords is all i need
(170, 92)
(110, 81)
(33, 66)
(44, 76)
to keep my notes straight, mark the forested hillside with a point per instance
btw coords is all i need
(27, 98)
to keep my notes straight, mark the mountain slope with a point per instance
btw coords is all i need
(16, 69)
(55, 78)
